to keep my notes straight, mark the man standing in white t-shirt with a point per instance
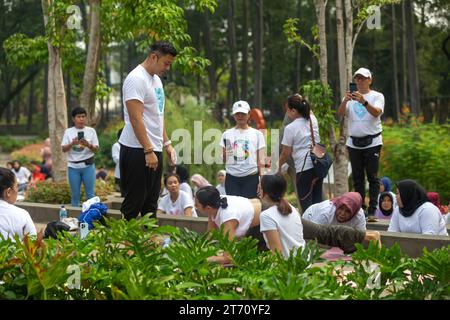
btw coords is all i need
(144, 136)
(364, 108)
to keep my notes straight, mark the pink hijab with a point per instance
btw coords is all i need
(200, 180)
(352, 200)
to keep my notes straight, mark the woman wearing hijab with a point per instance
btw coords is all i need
(199, 181)
(344, 210)
(415, 213)
(386, 186)
(386, 206)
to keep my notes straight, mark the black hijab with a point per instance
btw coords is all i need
(386, 213)
(412, 194)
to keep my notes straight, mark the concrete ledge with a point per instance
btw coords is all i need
(383, 225)
(44, 212)
(412, 244)
(199, 224)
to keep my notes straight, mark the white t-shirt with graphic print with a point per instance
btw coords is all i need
(244, 144)
(297, 135)
(176, 208)
(140, 85)
(79, 152)
(361, 123)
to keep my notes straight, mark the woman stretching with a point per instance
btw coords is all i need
(241, 217)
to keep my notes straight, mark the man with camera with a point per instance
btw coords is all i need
(364, 108)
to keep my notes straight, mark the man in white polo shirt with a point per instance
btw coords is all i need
(364, 108)
(144, 136)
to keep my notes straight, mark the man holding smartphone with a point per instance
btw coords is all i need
(144, 137)
(364, 108)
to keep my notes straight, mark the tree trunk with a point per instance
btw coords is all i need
(57, 114)
(258, 53)
(412, 63)
(343, 81)
(108, 83)
(323, 61)
(17, 105)
(233, 51)
(45, 99)
(31, 107)
(394, 65)
(210, 55)
(405, 98)
(87, 98)
(244, 66)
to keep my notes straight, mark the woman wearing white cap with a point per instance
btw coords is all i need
(243, 152)
(364, 108)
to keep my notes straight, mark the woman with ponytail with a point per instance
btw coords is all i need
(297, 143)
(241, 217)
(281, 224)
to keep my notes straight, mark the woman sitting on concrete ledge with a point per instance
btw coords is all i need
(13, 220)
(241, 217)
(415, 213)
(176, 202)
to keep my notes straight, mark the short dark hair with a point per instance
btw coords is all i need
(77, 111)
(7, 179)
(162, 48)
(169, 175)
(302, 106)
(182, 172)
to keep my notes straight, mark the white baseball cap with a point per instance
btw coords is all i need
(364, 72)
(241, 106)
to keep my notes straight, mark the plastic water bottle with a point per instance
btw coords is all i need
(62, 213)
(166, 242)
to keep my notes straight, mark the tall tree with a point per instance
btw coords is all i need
(258, 52)
(244, 65)
(394, 64)
(87, 99)
(233, 82)
(412, 59)
(57, 115)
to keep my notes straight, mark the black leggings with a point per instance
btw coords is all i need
(246, 187)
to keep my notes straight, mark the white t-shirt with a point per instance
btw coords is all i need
(78, 151)
(325, 213)
(184, 186)
(289, 228)
(297, 135)
(240, 209)
(23, 175)
(245, 144)
(427, 219)
(15, 220)
(115, 151)
(176, 208)
(361, 123)
(140, 85)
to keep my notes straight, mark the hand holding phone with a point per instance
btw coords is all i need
(352, 87)
(80, 135)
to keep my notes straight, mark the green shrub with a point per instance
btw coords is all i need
(126, 260)
(9, 144)
(59, 192)
(419, 152)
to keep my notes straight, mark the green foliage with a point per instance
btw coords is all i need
(126, 260)
(418, 152)
(9, 144)
(59, 192)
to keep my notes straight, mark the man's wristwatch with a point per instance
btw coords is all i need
(147, 151)
(365, 103)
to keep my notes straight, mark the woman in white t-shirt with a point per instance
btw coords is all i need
(243, 153)
(281, 224)
(81, 143)
(176, 202)
(415, 213)
(343, 210)
(13, 220)
(23, 175)
(297, 143)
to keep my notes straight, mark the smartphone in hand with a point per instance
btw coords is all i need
(352, 87)
(80, 135)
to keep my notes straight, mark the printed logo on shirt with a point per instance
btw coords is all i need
(77, 148)
(241, 150)
(359, 110)
(159, 92)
